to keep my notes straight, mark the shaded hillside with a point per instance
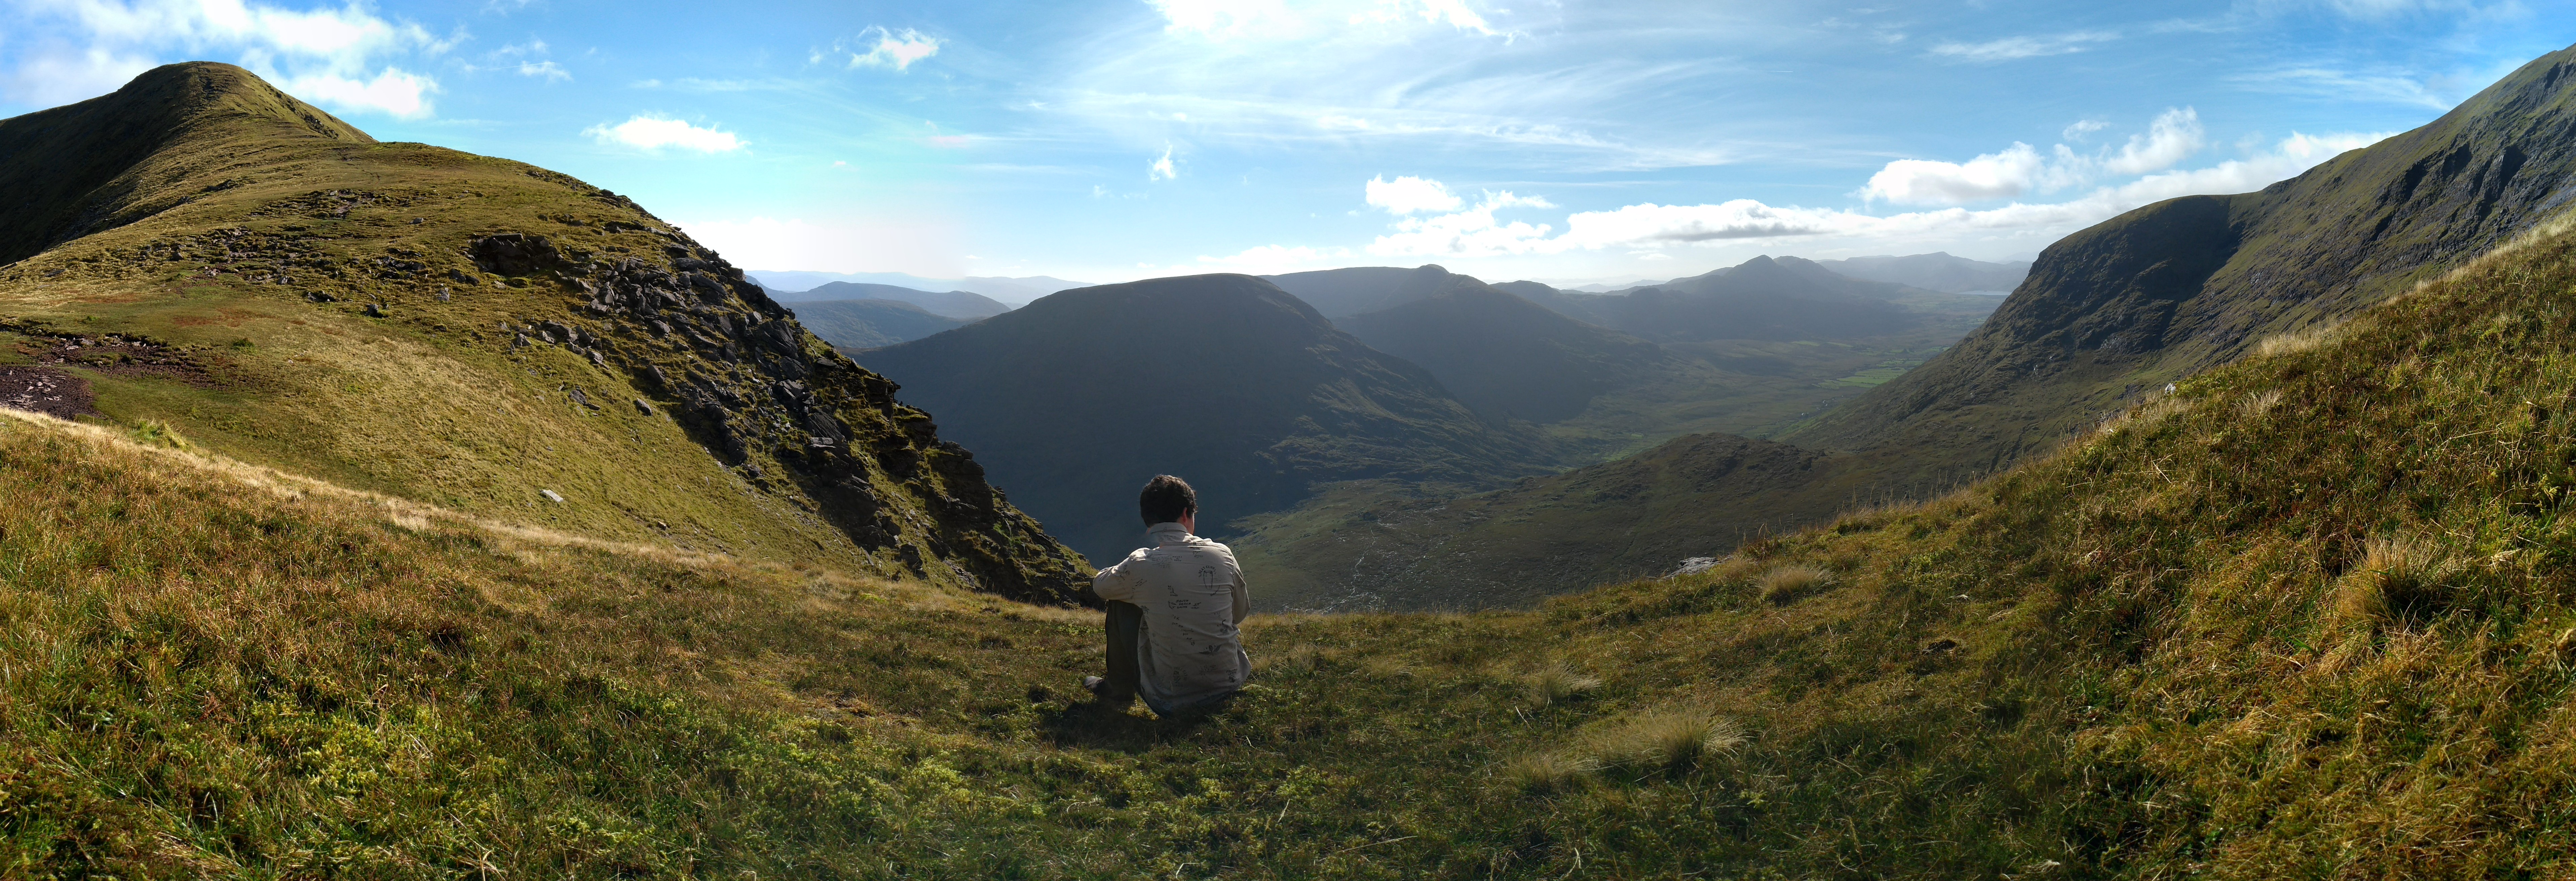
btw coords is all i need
(959, 305)
(1694, 496)
(1342, 292)
(1508, 358)
(2174, 288)
(1937, 271)
(467, 331)
(867, 324)
(1226, 380)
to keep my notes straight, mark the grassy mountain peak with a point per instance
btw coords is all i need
(481, 334)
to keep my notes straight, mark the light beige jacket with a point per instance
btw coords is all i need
(1193, 596)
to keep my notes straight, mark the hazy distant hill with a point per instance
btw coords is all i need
(204, 252)
(1226, 380)
(867, 324)
(1762, 298)
(962, 305)
(1506, 357)
(1351, 291)
(2165, 291)
(1937, 271)
(1010, 291)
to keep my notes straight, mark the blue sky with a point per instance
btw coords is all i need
(1568, 141)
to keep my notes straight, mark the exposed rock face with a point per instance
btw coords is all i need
(770, 399)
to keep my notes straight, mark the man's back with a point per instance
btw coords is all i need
(1193, 596)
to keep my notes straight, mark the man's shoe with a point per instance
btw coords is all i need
(1093, 684)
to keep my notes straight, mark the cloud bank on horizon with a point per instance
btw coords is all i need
(1563, 141)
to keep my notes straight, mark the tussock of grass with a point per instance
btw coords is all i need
(2259, 403)
(1556, 683)
(2292, 342)
(2398, 579)
(1786, 584)
(1547, 773)
(1668, 740)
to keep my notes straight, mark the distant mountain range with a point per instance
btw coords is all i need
(1937, 271)
(1500, 354)
(1010, 291)
(867, 324)
(1073, 401)
(961, 305)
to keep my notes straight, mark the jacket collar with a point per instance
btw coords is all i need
(1167, 533)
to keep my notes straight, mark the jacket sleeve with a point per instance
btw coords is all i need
(1119, 582)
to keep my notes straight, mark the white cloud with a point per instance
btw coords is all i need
(654, 133)
(2172, 138)
(1654, 225)
(1161, 169)
(1409, 195)
(2015, 48)
(895, 49)
(2020, 169)
(1470, 233)
(2083, 129)
(1991, 176)
(394, 92)
(551, 71)
(337, 57)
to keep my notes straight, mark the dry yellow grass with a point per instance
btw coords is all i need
(1785, 584)
(1554, 683)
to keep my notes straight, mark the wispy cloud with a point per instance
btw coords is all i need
(2391, 86)
(1410, 195)
(1161, 168)
(1653, 226)
(889, 48)
(2015, 48)
(652, 134)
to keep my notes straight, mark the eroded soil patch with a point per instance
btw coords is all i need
(46, 390)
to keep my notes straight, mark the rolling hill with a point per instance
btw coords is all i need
(867, 324)
(1508, 358)
(206, 255)
(1343, 292)
(1937, 271)
(959, 305)
(1074, 400)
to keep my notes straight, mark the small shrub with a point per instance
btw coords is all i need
(1556, 682)
(2397, 579)
(1543, 773)
(1786, 584)
(1670, 740)
(2293, 342)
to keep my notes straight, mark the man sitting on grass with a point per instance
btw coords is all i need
(1186, 594)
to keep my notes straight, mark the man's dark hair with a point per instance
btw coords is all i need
(1166, 499)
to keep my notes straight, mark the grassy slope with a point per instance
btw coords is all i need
(2125, 659)
(437, 401)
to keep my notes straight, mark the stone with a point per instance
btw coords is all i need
(442, 294)
(551, 496)
(375, 310)
(641, 406)
(459, 276)
(1694, 566)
